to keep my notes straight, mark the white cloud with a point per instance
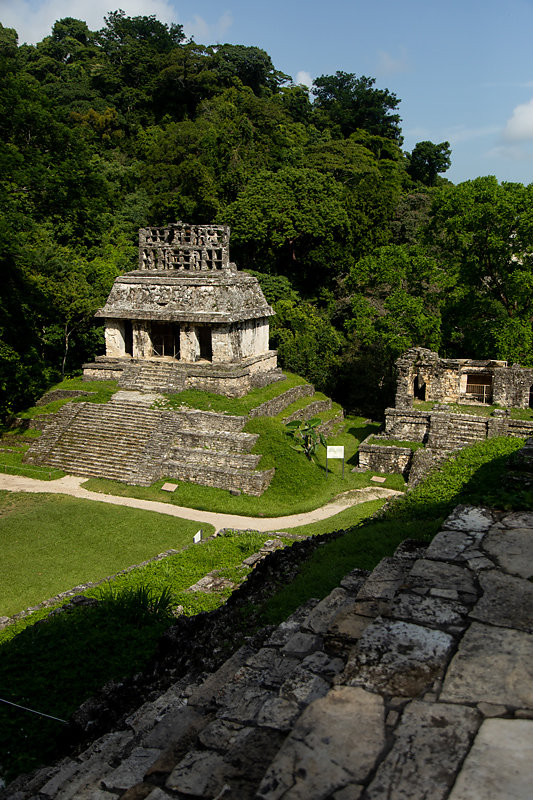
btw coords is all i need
(304, 77)
(519, 127)
(512, 152)
(461, 134)
(208, 33)
(392, 65)
(33, 20)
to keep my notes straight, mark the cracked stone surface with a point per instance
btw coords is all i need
(326, 749)
(499, 764)
(492, 665)
(512, 550)
(506, 601)
(413, 682)
(397, 658)
(430, 743)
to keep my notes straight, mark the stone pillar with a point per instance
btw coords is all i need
(223, 343)
(189, 344)
(498, 423)
(115, 342)
(142, 342)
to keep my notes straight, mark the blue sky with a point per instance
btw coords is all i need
(463, 70)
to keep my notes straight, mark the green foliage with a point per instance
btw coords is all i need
(470, 476)
(306, 435)
(351, 103)
(427, 160)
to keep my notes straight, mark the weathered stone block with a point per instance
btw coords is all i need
(397, 658)
(334, 744)
(493, 665)
(430, 744)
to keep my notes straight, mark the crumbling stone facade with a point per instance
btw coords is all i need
(187, 306)
(423, 375)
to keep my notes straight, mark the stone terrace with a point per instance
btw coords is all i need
(411, 683)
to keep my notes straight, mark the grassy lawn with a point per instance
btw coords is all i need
(51, 543)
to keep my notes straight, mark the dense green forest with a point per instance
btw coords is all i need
(363, 249)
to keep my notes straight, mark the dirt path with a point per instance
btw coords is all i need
(71, 485)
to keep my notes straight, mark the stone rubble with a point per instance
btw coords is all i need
(412, 683)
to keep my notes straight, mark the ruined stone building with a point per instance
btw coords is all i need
(423, 375)
(186, 318)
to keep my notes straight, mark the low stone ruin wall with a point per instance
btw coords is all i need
(254, 483)
(418, 426)
(385, 458)
(309, 411)
(272, 407)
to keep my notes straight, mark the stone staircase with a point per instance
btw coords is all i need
(152, 376)
(406, 684)
(454, 431)
(111, 440)
(213, 447)
(127, 440)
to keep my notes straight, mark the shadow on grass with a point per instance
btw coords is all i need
(56, 664)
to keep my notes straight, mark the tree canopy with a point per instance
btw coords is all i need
(363, 249)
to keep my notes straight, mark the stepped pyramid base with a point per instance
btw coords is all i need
(127, 440)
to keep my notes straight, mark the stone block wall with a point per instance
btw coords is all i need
(272, 407)
(407, 424)
(385, 458)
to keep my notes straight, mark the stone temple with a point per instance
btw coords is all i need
(186, 318)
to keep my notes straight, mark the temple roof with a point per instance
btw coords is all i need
(218, 296)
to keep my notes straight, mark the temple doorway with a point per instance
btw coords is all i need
(165, 340)
(205, 343)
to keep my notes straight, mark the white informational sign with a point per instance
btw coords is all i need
(335, 451)
(197, 538)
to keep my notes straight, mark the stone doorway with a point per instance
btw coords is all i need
(165, 340)
(419, 388)
(128, 338)
(205, 343)
(479, 387)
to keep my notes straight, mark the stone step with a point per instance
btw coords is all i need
(309, 411)
(210, 458)
(273, 407)
(222, 442)
(253, 482)
(209, 421)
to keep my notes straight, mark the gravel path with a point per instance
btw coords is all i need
(71, 485)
